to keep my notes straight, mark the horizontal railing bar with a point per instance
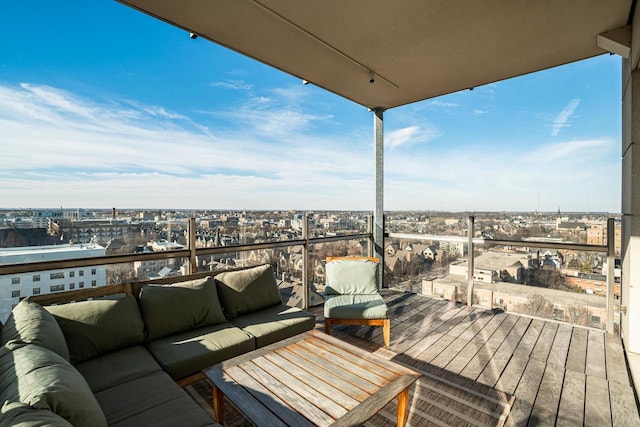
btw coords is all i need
(184, 253)
(515, 243)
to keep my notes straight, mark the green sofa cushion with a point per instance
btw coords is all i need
(154, 400)
(41, 378)
(92, 328)
(186, 353)
(351, 277)
(123, 365)
(30, 323)
(275, 323)
(169, 309)
(355, 307)
(18, 414)
(247, 290)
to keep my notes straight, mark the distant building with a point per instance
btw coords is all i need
(85, 231)
(16, 286)
(491, 267)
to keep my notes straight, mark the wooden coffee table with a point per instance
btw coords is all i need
(310, 379)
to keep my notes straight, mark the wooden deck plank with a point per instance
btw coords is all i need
(492, 371)
(578, 371)
(525, 394)
(483, 356)
(616, 364)
(560, 346)
(545, 407)
(543, 346)
(624, 411)
(511, 375)
(577, 358)
(571, 410)
(461, 360)
(597, 411)
(596, 355)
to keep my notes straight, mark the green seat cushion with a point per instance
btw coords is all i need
(187, 353)
(351, 277)
(18, 414)
(118, 367)
(30, 323)
(44, 380)
(153, 400)
(275, 323)
(247, 290)
(169, 309)
(92, 328)
(355, 307)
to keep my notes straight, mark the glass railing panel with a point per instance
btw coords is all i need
(339, 223)
(319, 252)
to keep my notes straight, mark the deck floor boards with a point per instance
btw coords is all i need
(559, 374)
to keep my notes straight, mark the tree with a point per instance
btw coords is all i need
(536, 305)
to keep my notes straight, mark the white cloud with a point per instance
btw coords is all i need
(562, 119)
(443, 104)
(478, 112)
(409, 135)
(233, 85)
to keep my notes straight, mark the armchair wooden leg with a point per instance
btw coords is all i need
(386, 331)
(327, 326)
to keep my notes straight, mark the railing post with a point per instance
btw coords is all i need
(470, 264)
(305, 261)
(370, 251)
(611, 260)
(192, 245)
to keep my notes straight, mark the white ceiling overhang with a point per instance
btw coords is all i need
(416, 49)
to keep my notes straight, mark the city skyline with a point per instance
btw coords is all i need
(103, 106)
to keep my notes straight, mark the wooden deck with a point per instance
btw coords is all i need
(558, 374)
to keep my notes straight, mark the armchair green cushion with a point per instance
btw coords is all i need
(351, 277)
(92, 328)
(355, 307)
(246, 291)
(30, 323)
(170, 309)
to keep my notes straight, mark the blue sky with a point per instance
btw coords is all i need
(102, 106)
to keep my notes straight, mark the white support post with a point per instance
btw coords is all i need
(611, 260)
(378, 214)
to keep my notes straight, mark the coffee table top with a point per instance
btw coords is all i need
(310, 379)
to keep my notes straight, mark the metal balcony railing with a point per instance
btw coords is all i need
(306, 243)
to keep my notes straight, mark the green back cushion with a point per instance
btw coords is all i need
(30, 323)
(170, 309)
(248, 290)
(44, 380)
(351, 277)
(92, 328)
(20, 414)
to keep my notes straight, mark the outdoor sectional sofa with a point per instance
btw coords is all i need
(119, 360)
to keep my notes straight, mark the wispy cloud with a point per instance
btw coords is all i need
(409, 135)
(233, 85)
(562, 119)
(59, 148)
(478, 112)
(443, 104)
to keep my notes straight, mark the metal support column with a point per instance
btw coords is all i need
(470, 263)
(378, 213)
(611, 260)
(192, 245)
(370, 231)
(305, 261)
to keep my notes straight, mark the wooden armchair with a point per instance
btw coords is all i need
(352, 296)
